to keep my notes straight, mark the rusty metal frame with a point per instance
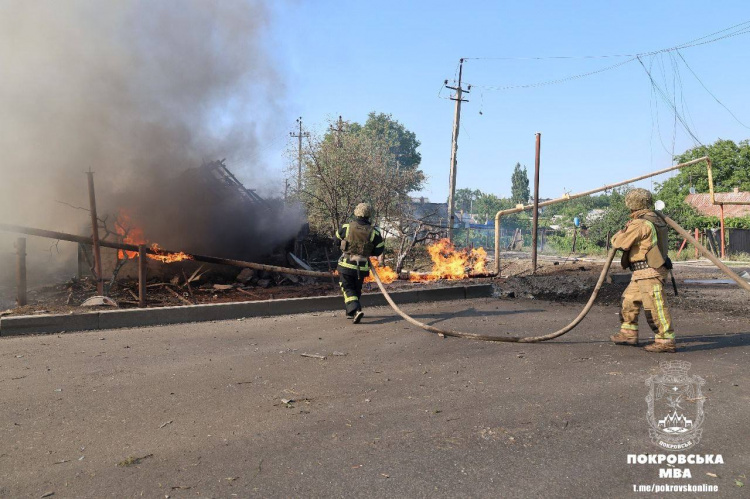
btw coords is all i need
(519, 208)
(720, 203)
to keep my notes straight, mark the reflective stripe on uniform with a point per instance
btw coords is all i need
(365, 268)
(629, 327)
(376, 231)
(347, 299)
(654, 236)
(659, 301)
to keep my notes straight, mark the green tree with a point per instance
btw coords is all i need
(465, 199)
(730, 167)
(520, 185)
(402, 144)
(348, 166)
(614, 218)
(486, 206)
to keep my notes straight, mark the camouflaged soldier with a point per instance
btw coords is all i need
(643, 242)
(359, 240)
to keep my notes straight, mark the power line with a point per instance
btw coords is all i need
(553, 82)
(709, 92)
(690, 43)
(745, 28)
(666, 99)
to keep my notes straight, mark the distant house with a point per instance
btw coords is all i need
(738, 239)
(702, 204)
(435, 214)
(595, 214)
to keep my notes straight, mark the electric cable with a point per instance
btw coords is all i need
(744, 29)
(709, 92)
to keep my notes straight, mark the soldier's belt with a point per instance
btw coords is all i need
(640, 265)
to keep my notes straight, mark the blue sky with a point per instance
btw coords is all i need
(350, 58)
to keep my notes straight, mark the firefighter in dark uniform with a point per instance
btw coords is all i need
(359, 240)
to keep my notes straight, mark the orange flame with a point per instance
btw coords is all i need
(447, 263)
(450, 263)
(386, 274)
(132, 234)
(166, 257)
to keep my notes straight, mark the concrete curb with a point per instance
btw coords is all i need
(112, 319)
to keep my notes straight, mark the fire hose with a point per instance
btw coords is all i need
(536, 339)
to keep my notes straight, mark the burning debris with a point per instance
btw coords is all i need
(131, 234)
(448, 263)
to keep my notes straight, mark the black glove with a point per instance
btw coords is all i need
(668, 263)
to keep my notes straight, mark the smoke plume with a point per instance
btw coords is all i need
(138, 91)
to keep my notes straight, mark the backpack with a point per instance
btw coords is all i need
(357, 244)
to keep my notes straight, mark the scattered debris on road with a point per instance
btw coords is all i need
(131, 460)
(314, 356)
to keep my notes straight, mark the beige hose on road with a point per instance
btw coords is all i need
(577, 320)
(507, 339)
(685, 234)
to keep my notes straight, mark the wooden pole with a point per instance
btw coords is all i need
(21, 271)
(131, 247)
(81, 261)
(142, 275)
(454, 149)
(95, 235)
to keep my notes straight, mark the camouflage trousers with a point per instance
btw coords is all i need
(647, 294)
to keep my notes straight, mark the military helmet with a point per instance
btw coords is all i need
(363, 210)
(639, 199)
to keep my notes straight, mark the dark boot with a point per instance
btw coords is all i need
(358, 316)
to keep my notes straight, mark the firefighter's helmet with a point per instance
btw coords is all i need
(639, 199)
(363, 210)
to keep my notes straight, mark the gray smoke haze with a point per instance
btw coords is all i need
(136, 90)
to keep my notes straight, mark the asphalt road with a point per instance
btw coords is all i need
(390, 412)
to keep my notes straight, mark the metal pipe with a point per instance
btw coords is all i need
(568, 197)
(142, 275)
(95, 235)
(21, 271)
(131, 247)
(535, 220)
(696, 247)
(721, 221)
(710, 181)
(711, 190)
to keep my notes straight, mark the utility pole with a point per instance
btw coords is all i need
(299, 153)
(338, 130)
(454, 146)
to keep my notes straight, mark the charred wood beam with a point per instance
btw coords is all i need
(18, 229)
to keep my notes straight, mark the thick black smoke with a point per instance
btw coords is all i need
(138, 91)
